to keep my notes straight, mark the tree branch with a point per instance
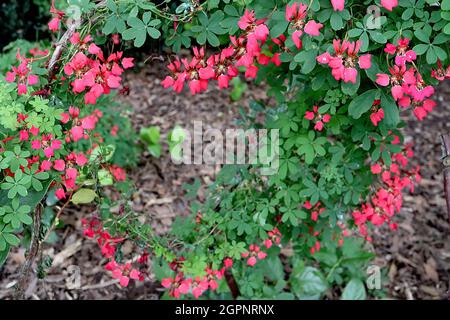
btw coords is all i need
(446, 161)
(35, 244)
(232, 284)
(60, 46)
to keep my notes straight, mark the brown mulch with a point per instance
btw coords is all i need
(416, 257)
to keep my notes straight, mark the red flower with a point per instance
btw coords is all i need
(23, 75)
(319, 118)
(296, 15)
(343, 63)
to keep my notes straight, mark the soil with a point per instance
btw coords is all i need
(416, 258)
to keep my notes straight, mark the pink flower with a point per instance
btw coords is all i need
(376, 168)
(377, 116)
(296, 15)
(118, 173)
(402, 52)
(36, 144)
(383, 79)
(23, 135)
(81, 159)
(75, 39)
(251, 72)
(60, 194)
(77, 133)
(23, 75)
(134, 274)
(228, 263)
(53, 25)
(94, 49)
(46, 165)
(257, 28)
(440, 73)
(49, 152)
(365, 61)
(262, 255)
(324, 58)
(71, 173)
(421, 111)
(343, 63)
(296, 38)
(400, 79)
(251, 261)
(59, 165)
(320, 119)
(389, 4)
(127, 63)
(338, 5)
(313, 28)
(34, 131)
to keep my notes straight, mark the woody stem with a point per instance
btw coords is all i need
(446, 161)
(35, 244)
(232, 284)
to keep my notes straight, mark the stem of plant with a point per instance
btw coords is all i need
(232, 284)
(33, 252)
(446, 161)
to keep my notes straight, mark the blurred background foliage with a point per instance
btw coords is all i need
(24, 19)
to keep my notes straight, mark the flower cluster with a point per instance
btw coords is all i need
(55, 22)
(315, 211)
(388, 197)
(245, 52)
(377, 113)
(345, 59)
(319, 119)
(296, 15)
(92, 73)
(338, 5)
(22, 74)
(108, 246)
(407, 85)
(274, 236)
(182, 285)
(441, 73)
(253, 254)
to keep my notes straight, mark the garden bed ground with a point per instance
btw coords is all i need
(416, 258)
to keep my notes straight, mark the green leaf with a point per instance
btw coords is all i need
(362, 103)
(421, 48)
(153, 32)
(84, 196)
(391, 112)
(4, 255)
(422, 35)
(354, 33)
(11, 239)
(354, 290)
(447, 28)
(445, 5)
(32, 198)
(105, 177)
(336, 21)
(307, 59)
(277, 24)
(212, 39)
(309, 284)
(378, 37)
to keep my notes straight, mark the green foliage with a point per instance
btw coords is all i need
(151, 138)
(84, 196)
